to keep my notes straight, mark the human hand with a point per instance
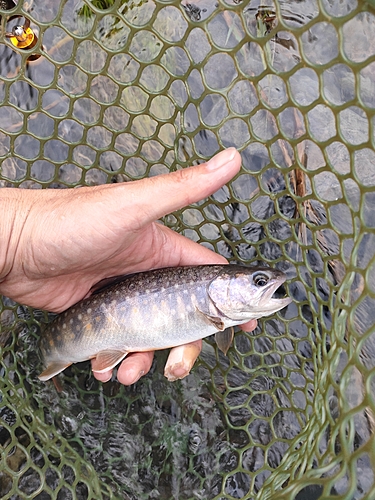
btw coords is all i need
(59, 243)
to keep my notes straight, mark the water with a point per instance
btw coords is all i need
(76, 122)
(163, 440)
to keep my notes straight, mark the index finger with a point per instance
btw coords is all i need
(249, 326)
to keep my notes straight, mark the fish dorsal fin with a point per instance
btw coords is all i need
(224, 339)
(213, 320)
(53, 369)
(106, 360)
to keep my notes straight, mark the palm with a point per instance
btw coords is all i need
(67, 278)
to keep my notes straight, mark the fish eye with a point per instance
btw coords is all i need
(261, 279)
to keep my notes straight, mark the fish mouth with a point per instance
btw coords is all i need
(275, 297)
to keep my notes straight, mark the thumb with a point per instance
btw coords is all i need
(163, 194)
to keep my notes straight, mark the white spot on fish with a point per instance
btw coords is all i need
(89, 310)
(185, 292)
(162, 289)
(117, 292)
(147, 291)
(80, 317)
(173, 311)
(176, 285)
(71, 321)
(73, 311)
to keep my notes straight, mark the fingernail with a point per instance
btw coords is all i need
(176, 372)
(180, 371)
(108, 378)
(140, 374)
(221, 159)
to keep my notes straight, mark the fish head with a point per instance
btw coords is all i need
(247, 293)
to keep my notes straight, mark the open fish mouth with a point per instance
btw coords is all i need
(277, 304)
(275, 297)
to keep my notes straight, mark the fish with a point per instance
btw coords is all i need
(159, 309)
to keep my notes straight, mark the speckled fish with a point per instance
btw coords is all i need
(159, 309)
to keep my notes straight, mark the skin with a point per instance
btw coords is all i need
(56, 244)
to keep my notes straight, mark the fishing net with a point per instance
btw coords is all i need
(107, 91)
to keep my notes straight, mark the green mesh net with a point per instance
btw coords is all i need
(114, 90)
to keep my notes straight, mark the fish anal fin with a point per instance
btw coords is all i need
(53, 369)
(213, 320)
(106, 360)
(224, 339)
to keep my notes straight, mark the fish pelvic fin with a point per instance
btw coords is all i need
(53, 369)
(106, 360)
(224, 339)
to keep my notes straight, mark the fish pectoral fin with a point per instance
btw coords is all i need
(53, 369)
(213, 320)
(106, 360)
(224, 339)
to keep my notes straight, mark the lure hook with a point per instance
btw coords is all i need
(22, 36)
